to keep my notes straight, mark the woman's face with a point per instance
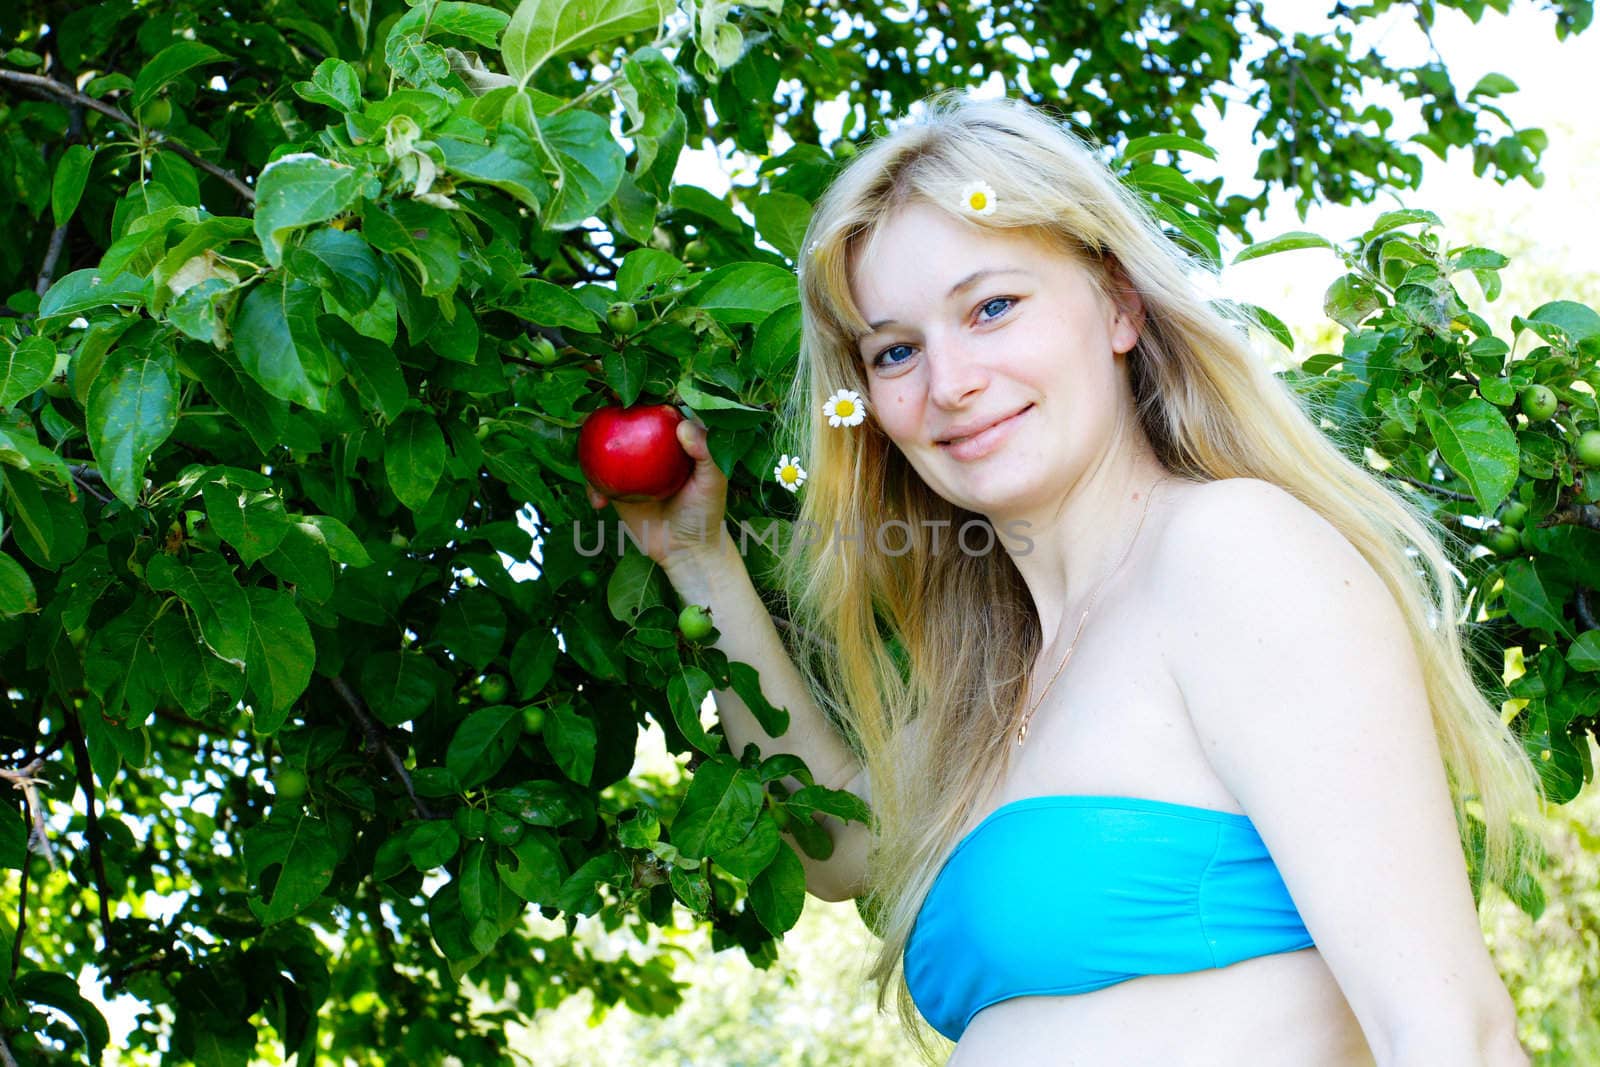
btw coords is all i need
(1033, 341)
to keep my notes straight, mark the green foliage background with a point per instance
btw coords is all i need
(276, 416)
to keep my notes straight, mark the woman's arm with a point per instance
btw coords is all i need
(1304, 689)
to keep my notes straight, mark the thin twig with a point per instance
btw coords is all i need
(1585, 615)
(47, 273)
(376, 742)
(80, 474)
(97, 860)
(1441, 490)
(26, 779)
(66, 92)
(5, 1053)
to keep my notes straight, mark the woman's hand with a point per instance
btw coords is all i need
(689, 522)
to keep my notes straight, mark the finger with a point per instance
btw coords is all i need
(692, 436)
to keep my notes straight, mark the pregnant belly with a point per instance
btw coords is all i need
(1283, 1008)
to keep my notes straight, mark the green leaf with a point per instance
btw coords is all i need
(1491, 84)
(72, 174)
(432, 844)
(540, 29)
(778, 893)
(1477, 443)
(749, 857)
(253, 523)
(1534, 597)
(60, 991)
(276, 339)
(129, 414)
(281, 654)
(1577, 321)
(302, 560)
(168, 65)
(482, 744)
(1584, 653)
(198, 679)
(206, 583)
(334, 83)
(398, 686)
(476, 22)
(472, 624)
(745, 292)
(552, 305)
(85, 290)
(300, 189)
(590, 163)
(782, 218)
(509, 163)
(371, 367)
(686, 691)
(302, 851)
(421, 233)
(533, 661)
(414, 457)
(722, 804)
(343, 545)
(17, 595)
(571, 738)
(25, 367)
(340, 262)
(539, 871)
(1170, 142)
(1390, 220)
(1286, 242)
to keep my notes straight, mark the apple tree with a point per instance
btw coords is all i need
(306, 303)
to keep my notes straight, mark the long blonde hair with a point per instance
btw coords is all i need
(884, 639)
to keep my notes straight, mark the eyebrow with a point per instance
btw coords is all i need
(965, 283)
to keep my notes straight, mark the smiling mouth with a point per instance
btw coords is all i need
(947, 442)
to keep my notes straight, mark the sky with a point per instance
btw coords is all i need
(1555, 90)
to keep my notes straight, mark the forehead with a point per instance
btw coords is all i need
(915, 257)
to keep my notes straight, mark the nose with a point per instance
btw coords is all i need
(955, 373)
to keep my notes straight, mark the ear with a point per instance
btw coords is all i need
(1129, 320)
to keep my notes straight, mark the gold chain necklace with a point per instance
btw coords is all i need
(1022, 732)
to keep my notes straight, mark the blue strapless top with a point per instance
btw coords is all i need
(1067, 893)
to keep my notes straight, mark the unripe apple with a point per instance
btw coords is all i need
(493, 688)
(56, 385)
(633, 454)
(504, 828)
(542, 350)
(1503, 541)
(696, 250)
(1514, 513)
(532, 719)
(694, 622)
(1588, 448)
(1538, 403)
(843, 148)
(622, 319)
(588, 579)
(156, 113)
(290, 783)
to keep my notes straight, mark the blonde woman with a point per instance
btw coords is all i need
(1169, 741)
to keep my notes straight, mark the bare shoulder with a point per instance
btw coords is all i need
(1216, 528)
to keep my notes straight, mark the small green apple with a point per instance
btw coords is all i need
(1514, 514)
(694, 622)
(1538, 403)
(493, 688)
(1588, 448)
(532, 720)
(622, 318)
(290, 783)
(696, 250)
(1503, 541)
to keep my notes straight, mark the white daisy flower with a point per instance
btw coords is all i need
(789, 473)
(977, 198)
(844, 408)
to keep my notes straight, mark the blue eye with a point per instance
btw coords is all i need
(878, 360)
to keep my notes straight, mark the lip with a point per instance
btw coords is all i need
(980, 443)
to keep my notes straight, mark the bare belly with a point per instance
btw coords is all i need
(1283, 1009)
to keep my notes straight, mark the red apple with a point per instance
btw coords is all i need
(633, 454)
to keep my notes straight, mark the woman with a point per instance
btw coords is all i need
(1169, 741)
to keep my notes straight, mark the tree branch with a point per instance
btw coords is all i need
(52, 254)
(376, 742)
(1441, 490)
(25, 778)
(80, 756)
(66, 92)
